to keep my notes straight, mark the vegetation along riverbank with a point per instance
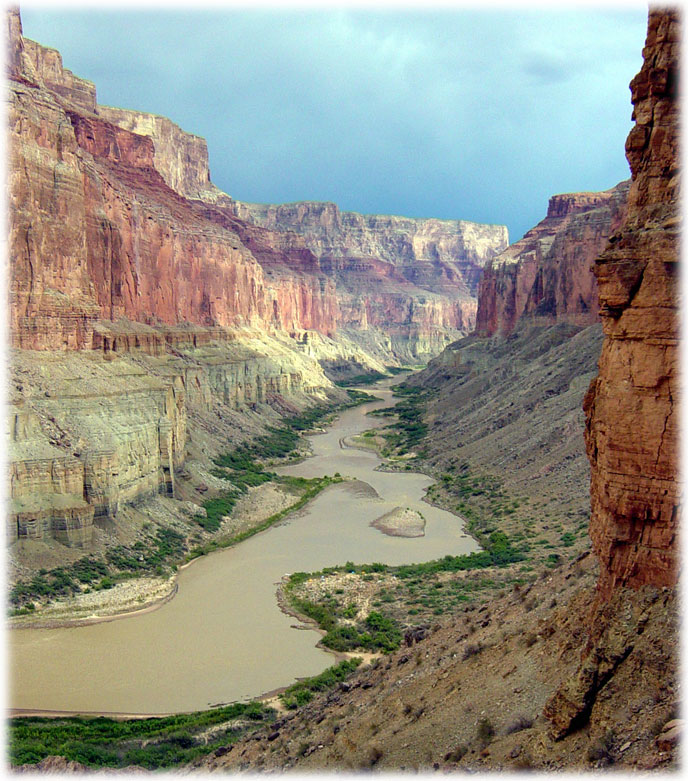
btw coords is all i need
(143, 575)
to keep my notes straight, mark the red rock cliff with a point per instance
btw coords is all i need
(96, 232)
(632, 406)
(113, 215)
(416, 279)
(547, 274)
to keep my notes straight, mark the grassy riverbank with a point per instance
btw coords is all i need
(157, 743)
(151, 743)
(369, 606)
(158, 552)
(313, 486)
(339, 599)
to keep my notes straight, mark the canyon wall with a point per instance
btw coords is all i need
(131, 226)
(632, 406)
(546, 276)
(415, 279)
(92, 430)
(132, 308)
(96, 233)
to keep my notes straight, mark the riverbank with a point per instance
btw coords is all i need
(307, 623)
(230, 601)
(142, 595)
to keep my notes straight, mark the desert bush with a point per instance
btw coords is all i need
(485, 732)
(519, 723)
(471, 649)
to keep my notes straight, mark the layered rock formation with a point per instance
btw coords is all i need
(546, 276)
(631, 407)
(92, 431)
(96, 233)
(415, 279)
(131, 226)
(181, 158)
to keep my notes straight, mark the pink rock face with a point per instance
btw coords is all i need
(416, 277)
(547, 275)
(97, 233)
(631, 407)
(113, 215)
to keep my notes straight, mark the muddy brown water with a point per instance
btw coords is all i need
(223, 637)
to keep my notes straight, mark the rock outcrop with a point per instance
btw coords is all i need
(181, 158)
(91, 431)
(546, 276)
(414, 279)
(632, 406)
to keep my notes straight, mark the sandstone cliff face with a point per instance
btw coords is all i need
(131, 226)
(430, 252)
(181, 158)
(546, 276)
(413, 278)
(417, 278)
(91, 431)
(631, 407)
(100, 226)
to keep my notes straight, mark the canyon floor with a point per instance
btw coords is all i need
(471, 694)
(487, 650)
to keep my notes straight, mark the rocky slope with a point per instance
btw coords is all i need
(470, 696)
(546, 276)
(579, 669)
(511, 410)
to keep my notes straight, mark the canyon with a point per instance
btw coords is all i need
(142, 296)
(579, 669)
(156, 320)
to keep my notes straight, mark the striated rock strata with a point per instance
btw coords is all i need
(92, 431)
(97, 232)
(113, 214)
(546, 276)
(414, 279)
(631, 407)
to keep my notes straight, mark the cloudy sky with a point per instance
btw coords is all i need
(452, 113)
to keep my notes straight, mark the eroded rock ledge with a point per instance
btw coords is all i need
(631, 407)
(546, 276)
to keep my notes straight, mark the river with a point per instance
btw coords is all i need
(223, 637)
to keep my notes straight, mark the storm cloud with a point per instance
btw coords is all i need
(453, 114)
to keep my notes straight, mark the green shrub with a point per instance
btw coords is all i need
(302, 692)
(485, 732)
(150, 743)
